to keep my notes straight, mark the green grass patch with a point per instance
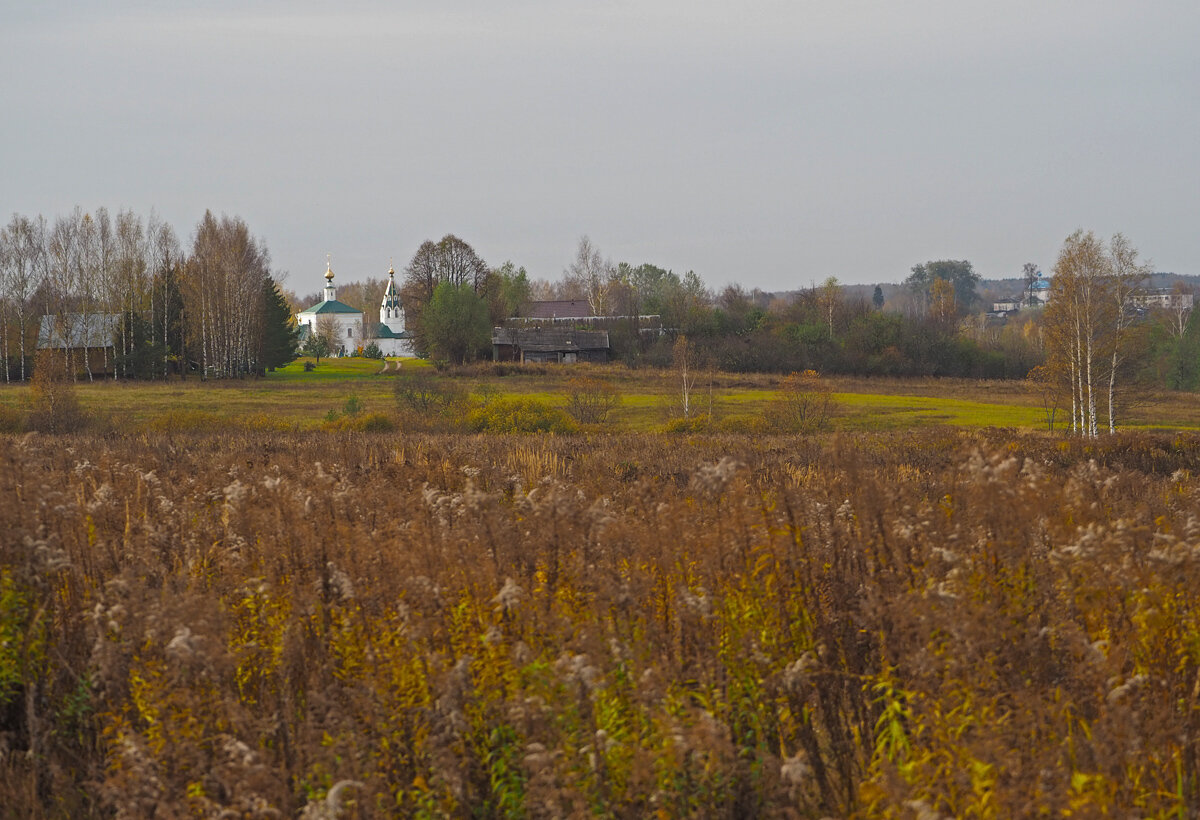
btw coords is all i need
(344, 368)
(291, 398)
(870, 411)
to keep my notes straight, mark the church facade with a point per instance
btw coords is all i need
(390, 335)
(345, 327)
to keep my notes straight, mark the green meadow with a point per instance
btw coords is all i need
(293, 398)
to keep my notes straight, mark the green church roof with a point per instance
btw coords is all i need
(385, 332)
(331, 306)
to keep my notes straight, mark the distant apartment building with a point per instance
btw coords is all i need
(1163, 299)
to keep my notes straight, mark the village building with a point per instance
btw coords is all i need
(349, 334)
(1037, 294)
(88, 339)
(342, 323)
(390, 335)
(1163, 299)
(549, 344)
(559, 310)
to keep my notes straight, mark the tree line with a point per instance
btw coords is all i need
(213, 309)
(935, 325)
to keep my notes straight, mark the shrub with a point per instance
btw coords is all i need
(266, 423)
(353, 406)
(429, 402)
(361, 423)
(591, 400)
(803, 404)
(742, 423)
(13, 420)
(372, 351)
(55, 406)
(375, 423)
(519, 414)
(699, 423)
(188, 421)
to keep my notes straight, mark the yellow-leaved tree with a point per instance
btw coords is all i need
(1089, 324)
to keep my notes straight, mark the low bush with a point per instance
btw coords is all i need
(13, 420)
(803, 404)
(745, 423)
(189, 421)
(375, 423)
(55, 408)
(699, 423)
(591, 400)
(265, 423)
(519, 414)
(360, 422)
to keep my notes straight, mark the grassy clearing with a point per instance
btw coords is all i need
(296, 399)
(859, 411)
(341, 369)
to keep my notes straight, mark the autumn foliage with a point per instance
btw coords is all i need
(342, 624)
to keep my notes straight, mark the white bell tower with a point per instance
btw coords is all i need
(391, 312)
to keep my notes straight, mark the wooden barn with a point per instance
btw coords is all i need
(90, 338)
(556, 345)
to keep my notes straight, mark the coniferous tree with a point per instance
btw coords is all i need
(169, 329)
(279, 333)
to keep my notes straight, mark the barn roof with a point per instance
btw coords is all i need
(551, 339)
(558, 309)
(78, 330)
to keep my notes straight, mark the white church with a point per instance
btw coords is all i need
(345, 324)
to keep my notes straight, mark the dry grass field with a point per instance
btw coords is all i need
(936, 623)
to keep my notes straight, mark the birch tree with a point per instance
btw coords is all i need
(62, 274)
(128, 281)
(164, 257)
(683, 356)
(1088, 323)
(223, 290)
(830, 296)
(1126, 277)
(593, 276)
(6, 266)
(24, 240)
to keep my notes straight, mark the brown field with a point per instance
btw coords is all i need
(923, 624)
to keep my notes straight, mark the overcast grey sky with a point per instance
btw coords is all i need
(767, 143)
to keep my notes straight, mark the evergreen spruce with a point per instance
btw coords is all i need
(279, 333)
(168, 323)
